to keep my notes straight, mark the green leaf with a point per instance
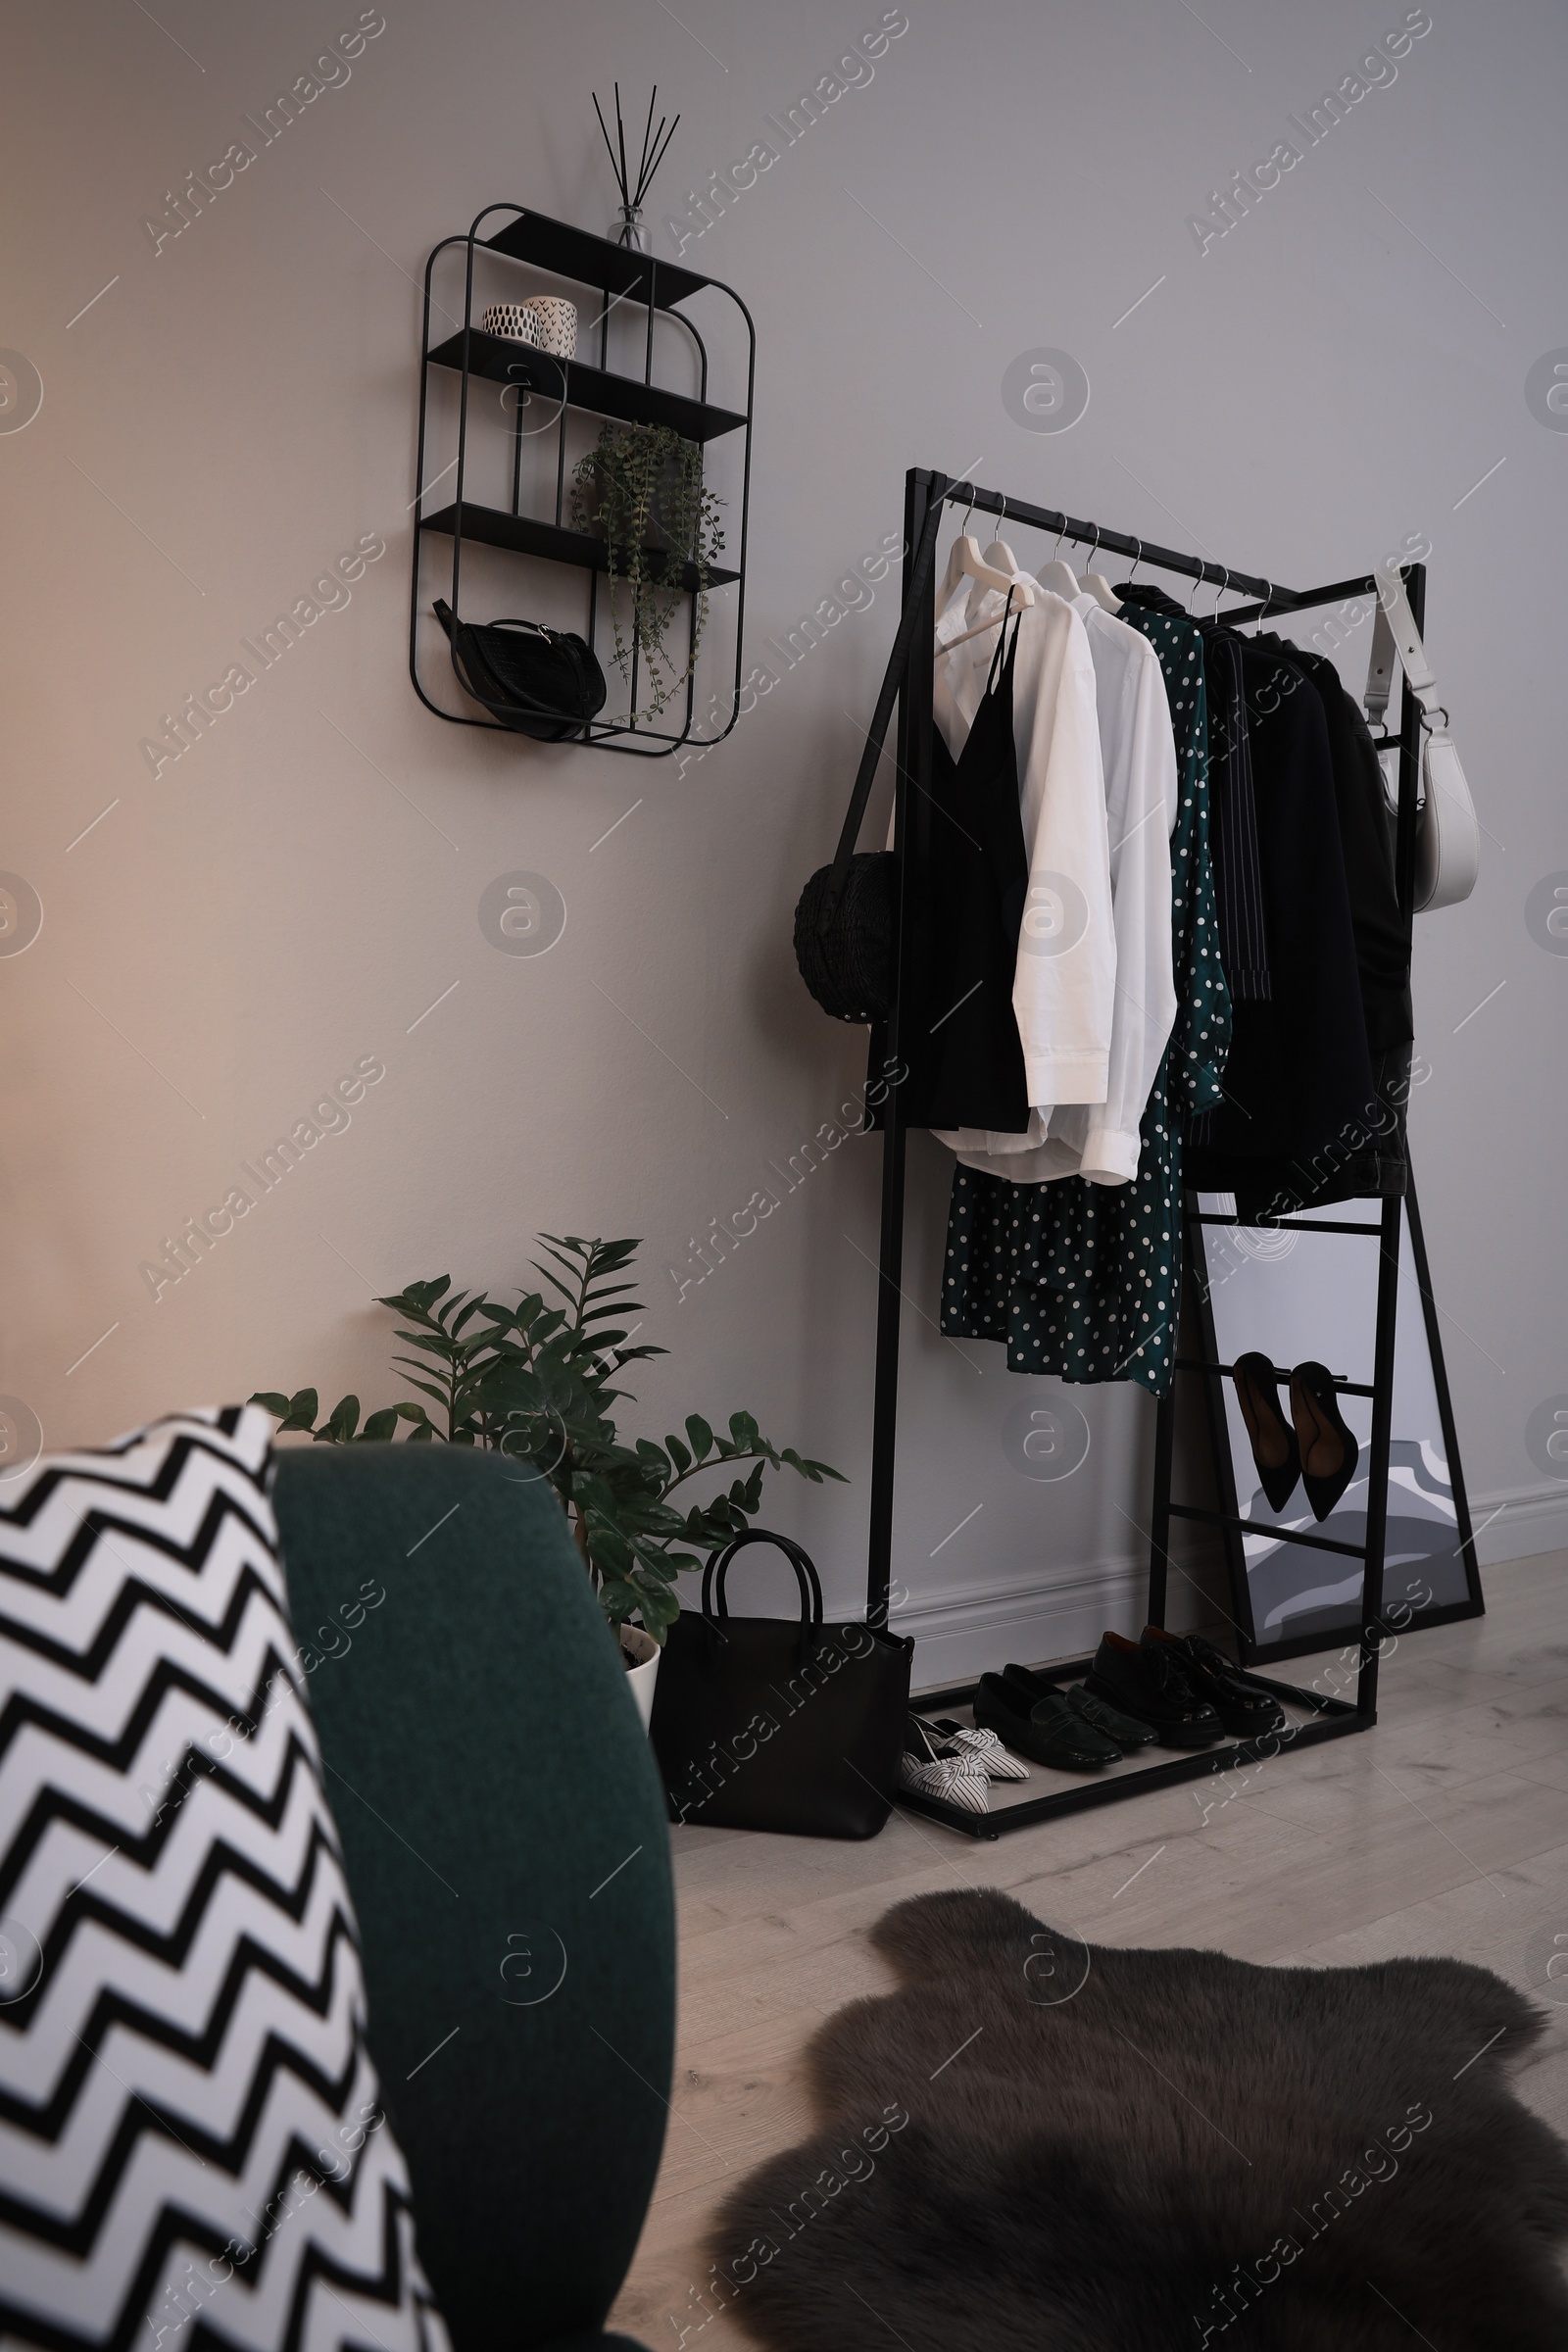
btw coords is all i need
(619, 1600)
(380, 1427)
(815, 1470)
(700, 1436)
(658, 1605)
(302, 1410)
(343, 1421)
(742, 1428)
(275, 1404)
(654, 1457)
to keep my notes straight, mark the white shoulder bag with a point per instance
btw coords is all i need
(1447, 837)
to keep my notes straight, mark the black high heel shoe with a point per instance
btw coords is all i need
(1273, 1441)
(1328, 1450)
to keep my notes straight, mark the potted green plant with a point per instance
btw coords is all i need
(641, 490)
(535, 1382)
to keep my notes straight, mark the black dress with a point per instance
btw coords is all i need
(968, 879)
(1298, 1081)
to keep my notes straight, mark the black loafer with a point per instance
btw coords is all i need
(1046, 1729)
(1246, 1710)
(1328, 1449)
(1151, 1684)
(1124, 1730)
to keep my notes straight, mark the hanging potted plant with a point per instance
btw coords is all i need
(642, 491)
(534, 1382)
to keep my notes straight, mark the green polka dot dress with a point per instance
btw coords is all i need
(1084, 1280)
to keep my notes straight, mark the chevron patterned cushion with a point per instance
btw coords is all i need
(193, 2147)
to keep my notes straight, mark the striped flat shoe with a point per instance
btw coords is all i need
(958, 1780)
(985, 1749)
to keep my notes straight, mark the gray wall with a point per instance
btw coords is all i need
(1323, 384)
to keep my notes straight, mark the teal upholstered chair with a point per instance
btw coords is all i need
(504, 1837)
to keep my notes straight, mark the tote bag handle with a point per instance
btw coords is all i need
(715, 1608)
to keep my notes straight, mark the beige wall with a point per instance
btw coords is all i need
(237, 411)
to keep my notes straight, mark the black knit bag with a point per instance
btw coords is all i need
(845, 917)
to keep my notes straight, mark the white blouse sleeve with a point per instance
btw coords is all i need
(1065, 978)
(1140, 753)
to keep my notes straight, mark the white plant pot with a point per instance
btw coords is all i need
(641, 1651)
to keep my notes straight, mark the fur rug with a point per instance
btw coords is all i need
(1035, 2142)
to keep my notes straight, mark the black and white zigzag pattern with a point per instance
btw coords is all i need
(192, 2143)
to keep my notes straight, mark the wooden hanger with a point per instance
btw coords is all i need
(1057, 575)
(964, 561)
(1096, 584)
(1002, 556)
(1019, 595)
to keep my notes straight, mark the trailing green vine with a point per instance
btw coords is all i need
(643, 480)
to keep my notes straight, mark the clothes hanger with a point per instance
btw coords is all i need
(1018, 590)
(1096, 584)
(1057, 575)
(954, 571)
(964, 561)
(999, 552)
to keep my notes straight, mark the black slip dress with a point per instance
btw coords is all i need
(969, 877)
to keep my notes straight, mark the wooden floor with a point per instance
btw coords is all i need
(1443, 1830)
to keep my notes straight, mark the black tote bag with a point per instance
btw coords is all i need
(760, 1723)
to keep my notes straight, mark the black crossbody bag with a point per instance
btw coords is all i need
(760, 1723)
(542, 682)
(843, 922)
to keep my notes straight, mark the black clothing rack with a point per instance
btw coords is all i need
(1329, 1718)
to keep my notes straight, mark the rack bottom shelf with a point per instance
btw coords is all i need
(1016, 1805)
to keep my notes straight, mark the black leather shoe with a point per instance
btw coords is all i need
(1328, 1449)
(1245, 1710)
(1123, 1729)
(1046, 1729)
(1151, 1685)
(1273, 1441)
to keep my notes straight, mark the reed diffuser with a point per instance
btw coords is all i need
(630, 230)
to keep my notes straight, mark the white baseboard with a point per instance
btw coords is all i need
(1517, 1523)
(961, 1630)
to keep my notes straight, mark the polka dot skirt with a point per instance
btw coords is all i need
(1084, 1280)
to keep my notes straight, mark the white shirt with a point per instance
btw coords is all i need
(1065, 978)
(1138, 749)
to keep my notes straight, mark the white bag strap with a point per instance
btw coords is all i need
(1447, 845)
(1395, 635)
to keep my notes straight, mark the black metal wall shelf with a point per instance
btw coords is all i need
(599, 390)
(555, 250)
(495, 527)
(576, 253)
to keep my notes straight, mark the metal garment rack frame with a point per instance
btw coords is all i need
(1332, 1717)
